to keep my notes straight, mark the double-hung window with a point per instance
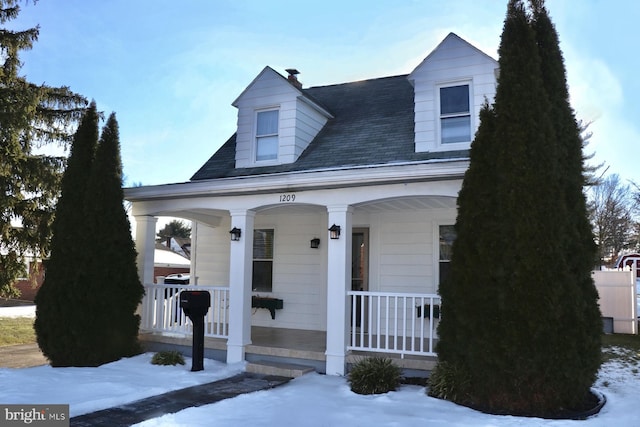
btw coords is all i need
(455, 114)
(267, 135)
(262, 260)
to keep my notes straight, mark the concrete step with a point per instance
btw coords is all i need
(289, 370)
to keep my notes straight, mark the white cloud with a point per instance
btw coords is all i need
(597, 96)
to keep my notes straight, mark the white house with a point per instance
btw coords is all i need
(342, 199)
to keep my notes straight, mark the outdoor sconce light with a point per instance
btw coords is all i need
(334, 232)
(235, 234)
(315, 243)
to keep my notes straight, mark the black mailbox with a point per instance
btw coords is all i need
(195, 304)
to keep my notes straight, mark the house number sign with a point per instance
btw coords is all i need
(287, 197)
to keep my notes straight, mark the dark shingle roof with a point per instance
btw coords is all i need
(372, 125)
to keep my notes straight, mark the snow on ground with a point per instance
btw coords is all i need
(91, 389)
(312, 400)
(18, 311)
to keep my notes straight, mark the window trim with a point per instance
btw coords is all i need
(254, 154)
(452, 146)
(272, 259)
(436, 249)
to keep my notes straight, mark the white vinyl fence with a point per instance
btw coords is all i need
(617, 290)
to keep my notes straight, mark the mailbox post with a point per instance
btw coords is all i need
(195, 304)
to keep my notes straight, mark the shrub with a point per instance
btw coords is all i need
(374, 375)
(447, 381)
(167, 358)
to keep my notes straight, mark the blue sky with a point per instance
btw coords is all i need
(170, 70)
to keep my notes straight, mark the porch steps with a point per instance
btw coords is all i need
(289, 370)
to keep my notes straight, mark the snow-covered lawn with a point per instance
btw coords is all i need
(91, 389)
(312, 400)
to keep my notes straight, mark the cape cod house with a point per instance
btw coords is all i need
(327, 216)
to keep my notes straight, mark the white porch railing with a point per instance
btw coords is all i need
(394, 322)
(161, 310)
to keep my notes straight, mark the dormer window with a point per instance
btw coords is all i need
(266, 135)
(455, 115)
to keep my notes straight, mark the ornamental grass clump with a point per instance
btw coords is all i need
(167, 358)
(374, 375)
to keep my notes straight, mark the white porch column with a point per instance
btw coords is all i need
(145, 246)
(241, 261)
(338, 283)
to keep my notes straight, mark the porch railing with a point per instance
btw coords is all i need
(161, 310)
(398, 323)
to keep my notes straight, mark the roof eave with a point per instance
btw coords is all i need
(370, 175)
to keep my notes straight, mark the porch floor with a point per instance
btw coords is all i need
(280, 343)
(296, 343)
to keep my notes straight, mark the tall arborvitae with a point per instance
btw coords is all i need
(583, 322)
(32, 115)
(113, 282)
(506, 335)
(474, 248)
(61, 301)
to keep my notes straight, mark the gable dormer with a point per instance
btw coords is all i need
(276, 121)
(450, 87)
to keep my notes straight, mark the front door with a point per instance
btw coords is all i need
(360, 267)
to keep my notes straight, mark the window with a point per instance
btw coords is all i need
(262, 260)
(455, 116)
(447, 236)
(267, 135)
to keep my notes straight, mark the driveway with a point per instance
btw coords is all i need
(21, 356)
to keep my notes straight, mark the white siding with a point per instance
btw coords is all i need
(299, 272)
(454, 61)
(308, 123)
(299, 122)
(211, 254)
(404, 248)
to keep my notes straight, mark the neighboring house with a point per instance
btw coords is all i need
(335, 203)
(629, 261)
(29, 286)
(179, 245)
(167, 262)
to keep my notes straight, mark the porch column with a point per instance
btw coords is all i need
(240, 269)
(338, 283)
(145, 246)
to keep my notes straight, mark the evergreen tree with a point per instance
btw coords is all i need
(175, 228)
(508, 340)
(582, 318)
(113, 283)
(86, 305)
(61, 300)
(31, 116)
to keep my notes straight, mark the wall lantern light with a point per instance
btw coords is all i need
(315, 243)
(235, 234)
(334, 232)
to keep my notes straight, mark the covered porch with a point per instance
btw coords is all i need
(358, 265)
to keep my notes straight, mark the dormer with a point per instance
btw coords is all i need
(276, 120)
(450, 87)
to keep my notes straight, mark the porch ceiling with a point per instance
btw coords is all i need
(409, 203)
(213, 216)
(210, 217)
